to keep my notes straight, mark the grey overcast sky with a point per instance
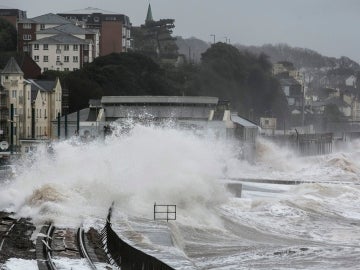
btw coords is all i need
(329, 27)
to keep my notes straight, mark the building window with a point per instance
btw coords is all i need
(26, 37)
(75, 47)
(36, 58)
(27, 26)
(75, 59)
(66, 69)
(13, 93)
(36, 47)
(66, 58)
(66, 47)
(45, 47)
(42, 26)
(58, 58)
(86, 59)
(75, 69)
(46, 69)
(96, 19)
(46, 58)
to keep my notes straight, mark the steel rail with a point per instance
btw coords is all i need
(47, 243)
(7, 233)
(82, 248)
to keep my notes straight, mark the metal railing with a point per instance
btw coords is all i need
(164, 212)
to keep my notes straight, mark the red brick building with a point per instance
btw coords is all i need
(114, 28)
(12, 15)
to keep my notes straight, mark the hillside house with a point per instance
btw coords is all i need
(351, 81)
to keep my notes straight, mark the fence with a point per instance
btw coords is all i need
(306, 144)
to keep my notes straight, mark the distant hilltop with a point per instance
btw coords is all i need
(300, 57)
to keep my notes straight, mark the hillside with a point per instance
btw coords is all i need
(301, 57)
(193, 47)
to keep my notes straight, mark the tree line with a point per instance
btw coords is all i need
(242, 78)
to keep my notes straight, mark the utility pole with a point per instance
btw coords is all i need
(213, 35)
(303, 104)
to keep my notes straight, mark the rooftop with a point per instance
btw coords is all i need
(12, 67)
(159, 99)
(88, 10)
(242, 121)
(60, 39)
(50, 18)
(66, 28)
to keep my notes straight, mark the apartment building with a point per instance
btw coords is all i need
(62, 52)
(26, 107)
(27, 29)
(90, 35)
(114, 28)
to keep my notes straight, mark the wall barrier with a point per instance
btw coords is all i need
(124, 255)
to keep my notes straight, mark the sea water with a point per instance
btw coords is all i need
(314, 225)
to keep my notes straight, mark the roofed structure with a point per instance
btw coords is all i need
(161, 107)
(12, 67)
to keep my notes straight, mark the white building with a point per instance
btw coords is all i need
(27, 107)
(62, 52)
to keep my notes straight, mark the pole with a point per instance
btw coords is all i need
(66, 130)
(303, 105)
(12, 128)
(59, 127)
(33, 123)
(77, 122)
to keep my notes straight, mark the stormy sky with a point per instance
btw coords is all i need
(326, 26)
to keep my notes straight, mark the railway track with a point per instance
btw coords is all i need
(54, 243)
(15, 237)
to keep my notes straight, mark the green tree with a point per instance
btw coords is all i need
(242, 78)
